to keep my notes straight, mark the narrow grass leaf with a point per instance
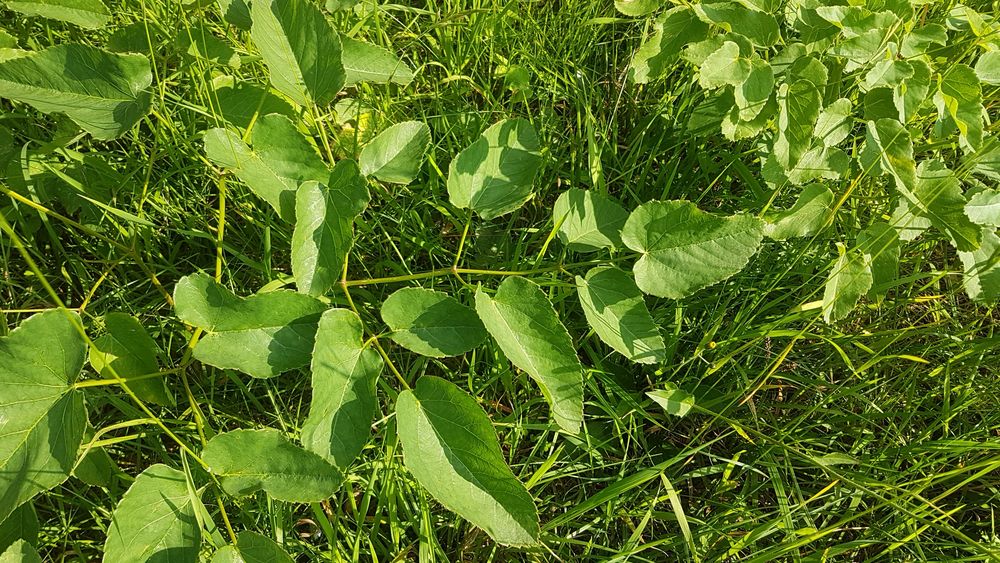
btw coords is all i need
(588, 221)
(262, 335)
(617, 312)
(247, 461)
(396, 154)
(431, 323)
(524, 324)
(344, 371)
(154, 521)
(43, 416)
(88, 14)
(451, 448)
(126, 350)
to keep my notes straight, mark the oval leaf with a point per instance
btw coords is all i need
(615, 309)
(262, 335)
(154, 521)
(588, 221)
(850, 279)
(252, 547)
(432, 323)
(20, 552)
(493, 176)
(89, 14)
(104, 93)
(810, 213)
(246, 461)
(126, 350)
(525, 325)
(685, 249)
(344, 371)
(42, 415)
(364, 62)
(395, 155)
(450, 447)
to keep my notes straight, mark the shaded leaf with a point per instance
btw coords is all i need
(364, 62)
(395, 155)
(880, 243)
(673, 29)
(960, 97)
(126, 350)
(617, 312)
(236, 12)
(524, 323)
(588, 220)
(432, 323)
(450, 447)
(895, 153)
(22, 524)
(753, 94)
(262, 335)
(89, 14)
(810, 213)
(240, 102)
(849, 280)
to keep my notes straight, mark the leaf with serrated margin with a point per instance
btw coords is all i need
(41, 414)
(104, 93)
(685, 249)
(617, 312)
(22, 524)
(758, 27)
(849, 280)
(236, 12)
(395, 154)
(724, 67)
(939, 197)
(984, 208)
(637, 7)
(588, 220)
(753, 93)
(247, 461)
(494, 175)
(920, 40)
(895, 152)
(263, 335)
(451, 448)
(880, 242)
(798, 109)
(909, 96)
(960, 97)
(673, 29)
(126, 350)
(364, 62)
(155, 521)
(300, 48)
(344, 371)
(324, 227)
(982, 268)
(988, 68)
(524, 324)
(280, 160)
(432, 323)
(810, 213)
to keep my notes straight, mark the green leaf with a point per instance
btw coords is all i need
(820, 162)
(432, 323)
(252, 547)
(43, 416)
(674, 29)
(685, 249)
(895, 152)
(909, 96)
(880, 242)
(908, 225)
(637, 7)
(674, 401)
(155, 521)
(236, 12)
(241, 102)
(887, 73)
(263, 335)
(22, 524)
(247, 461)
(126, 350)
(197, 42)
(861, 49)
(798, 109)
(104, 93)
(450, 447)
(753, 94)
(758, 27)
(324, 227)
(20, 552)
(984, 208)
(395, 155)
(938, 196)
(982, 268)
(524, 323)
(834, 123)
(724, 67)
(960, 97)
(493, 176)
(920, 40)
(88, 14)
(300, 48)
(280, 160)
(588, 220)
(810, 213)
(617, 312)
(344, 371)
(364, 62)
(850, 279)
(988, 68)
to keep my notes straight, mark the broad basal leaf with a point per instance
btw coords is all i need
(880, 242)
(834, 123)
(984, 208)
(798, 110)
(155, 521)
(758, 27)
(41, 416)
(753, 93)
(922, 39)
(247, 461)
(22, 524)
(364, 62)
(450, 446)
(300, 48)
(395, 155)
(432, 323)
(909, 96)
(90, 14)
(252, 547)
(685, 249)
(344, 371)
(588, 220)
(850, 279)
(525, 325)
(280, 160)
(262, 335)
(982, 268)
(672, 400)
(810, 213)
(493, 176)
(104, 93)
(20, 552)
(324, 227)
(674, 29)
(637, 7)
(939, 197)
(724, 67)
(895, 150)
(615, 309)
(988, 68)
(126, 350)
(960, 97)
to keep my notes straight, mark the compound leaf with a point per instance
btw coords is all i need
(450, 447)
(395, 155)
(432, 323)
(617, 312)
(588, 220)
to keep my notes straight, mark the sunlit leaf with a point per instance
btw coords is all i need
(617, 312)
(673, 29)
(637, 7)
(798, 110)
(252, 547)
(984, 208)
(432, 323)
(880, 242)
(982, 268)
(126, 350)
(756, 26)
(20, 552)
(672, 400)
(988, 68)
(811, 211)
(960, 97)
(364, 62)
(588, 220)
(939, 197)
(849, 280)
(724, 67)
(89, 14)
(395, 154)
